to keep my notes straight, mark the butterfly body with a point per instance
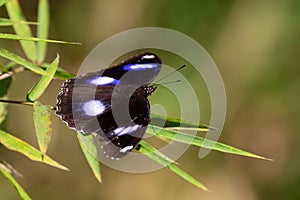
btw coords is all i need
(111, 104)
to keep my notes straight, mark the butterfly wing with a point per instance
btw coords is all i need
(85, 103)
(122, 134)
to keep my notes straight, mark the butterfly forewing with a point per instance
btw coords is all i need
(111, 104)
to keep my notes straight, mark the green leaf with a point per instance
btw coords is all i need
(4, 85)
(15, 144)
(27, 64)
(13, 182)
(15, 13)
(3, 69)
(62, 74)
(2, 2)
(199, 141)
(178, 124)
(35, 39)
(3, 110)
(10, 65)
(42, 29)
(89, 149)
(157, 156)
(9, 22)
(42, 123)
(38, 89)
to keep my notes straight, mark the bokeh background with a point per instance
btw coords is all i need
(256, 47)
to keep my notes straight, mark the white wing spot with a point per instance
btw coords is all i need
(148, 56)
(103, 80)
(93, 107)
(139, 66)
(118, 130)
(125, 149)
(122, 130)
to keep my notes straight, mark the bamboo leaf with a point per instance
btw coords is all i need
(199, 141)
(42, 123)
(38, 89)
(89, 150)
(4, 85)
(9, 22)
(178, 124)
(35, 39)
(157, 156)
(3, 110)
(42, 29)
(14, 183)
(21, 61)
(15, 144)
(15, 13)
(62, 74)
(2, 2)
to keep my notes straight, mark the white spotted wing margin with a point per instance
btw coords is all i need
(119, 146)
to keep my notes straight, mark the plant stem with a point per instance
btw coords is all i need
(11, 73)
(22, 103)
(17, 102)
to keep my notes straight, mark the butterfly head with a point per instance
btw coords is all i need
(148, 90)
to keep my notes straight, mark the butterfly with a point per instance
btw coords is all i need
(111, 104)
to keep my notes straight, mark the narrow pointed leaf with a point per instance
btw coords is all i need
(3, 110)
(157, 156)
(2, 2)
(21, 61)
(15, 184)
(42, 123)
(42, 29)
(10, 65)
(9, 22)
(62, 74)
(173, 123)
(4, 85)
(15, 13)
(3, 69)
(35, 39)
(199, 141)
(15, 144)
(38, 89)
(90, 152)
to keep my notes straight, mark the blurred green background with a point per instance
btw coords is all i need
(256, 47)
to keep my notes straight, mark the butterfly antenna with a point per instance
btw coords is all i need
(171, 73)
(157, 84)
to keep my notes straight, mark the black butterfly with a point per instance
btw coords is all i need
(111, 104)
